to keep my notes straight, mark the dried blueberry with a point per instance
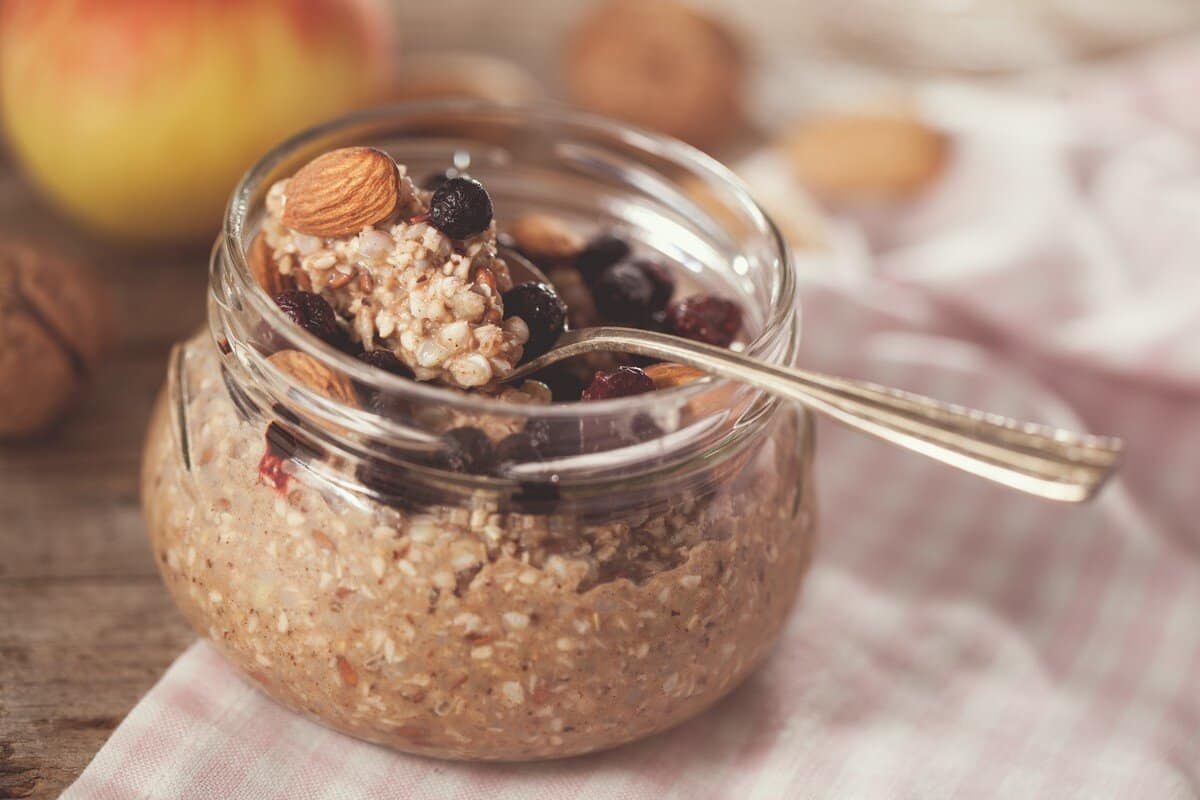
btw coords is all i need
(460, 208)
(621, 382)
(466, 450)
(435, 180)
(542, 310)
(312, 313)
(624, 295)
(600, 253)
(565, 385)
(554, 438)
(705, 318)
(517, 448)
(661, 279)
(385, 360)
(539, 440)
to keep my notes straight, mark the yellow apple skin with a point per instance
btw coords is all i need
(137, 118)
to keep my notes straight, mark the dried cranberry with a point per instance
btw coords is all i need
(435, 180)
(661, 279)
(385, 360)
(543, 311)
(622, 382)
(467, 450)
(624, 295)
(312, 313)
(600, 253)
(460, 208)
(705, 318)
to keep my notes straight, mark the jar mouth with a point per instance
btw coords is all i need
(778, 322)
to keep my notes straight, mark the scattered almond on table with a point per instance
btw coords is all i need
(854, 156)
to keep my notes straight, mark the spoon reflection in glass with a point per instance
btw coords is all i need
(1044, 461)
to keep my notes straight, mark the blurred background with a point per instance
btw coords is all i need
(1029, 164)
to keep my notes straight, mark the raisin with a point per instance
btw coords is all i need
(705, 318)
(624, 295)
(312, 313)
(621, 382)
(460, 208)
(600, 253)
(542, 310)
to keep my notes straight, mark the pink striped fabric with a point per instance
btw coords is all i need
(954, 640)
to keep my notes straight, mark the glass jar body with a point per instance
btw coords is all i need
(419, 631)
(541, 607)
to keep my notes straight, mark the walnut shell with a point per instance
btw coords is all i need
(54, 326)
(660, 65)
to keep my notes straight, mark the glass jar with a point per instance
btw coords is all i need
(547, 608)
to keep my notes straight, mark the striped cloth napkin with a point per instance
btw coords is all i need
(954, 639)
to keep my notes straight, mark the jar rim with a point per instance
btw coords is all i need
(781, 317)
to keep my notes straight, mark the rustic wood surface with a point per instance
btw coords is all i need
(86, 628)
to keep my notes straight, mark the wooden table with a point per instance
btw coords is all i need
(86, 628)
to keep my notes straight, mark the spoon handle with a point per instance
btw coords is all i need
(1043, 461)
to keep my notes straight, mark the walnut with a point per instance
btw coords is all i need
(661, 65)
(54, 326)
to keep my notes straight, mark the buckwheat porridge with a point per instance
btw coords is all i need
(431, 593)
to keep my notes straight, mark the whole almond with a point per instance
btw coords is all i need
(265, 269)
(342, 192)
(863, 156)
(546, 238)
(722, 397)
(314, 375)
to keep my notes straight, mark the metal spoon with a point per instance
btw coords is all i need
(1037, 459)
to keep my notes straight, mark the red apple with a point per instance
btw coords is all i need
(138, 117)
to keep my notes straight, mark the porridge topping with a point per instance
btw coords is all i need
(423, 282)
(413, 281)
